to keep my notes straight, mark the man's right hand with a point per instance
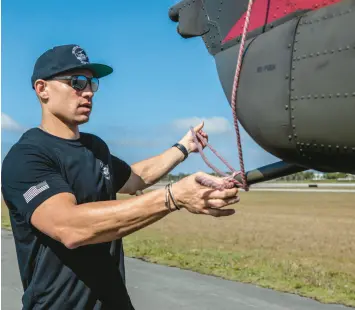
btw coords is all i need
(200, 199)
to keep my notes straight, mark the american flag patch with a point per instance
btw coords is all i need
(35, 190)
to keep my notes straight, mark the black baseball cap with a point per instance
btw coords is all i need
(62, 58)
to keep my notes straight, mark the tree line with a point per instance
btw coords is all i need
(300, 176)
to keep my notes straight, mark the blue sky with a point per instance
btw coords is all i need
(161, 84)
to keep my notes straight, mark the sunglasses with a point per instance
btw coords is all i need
(79, 82)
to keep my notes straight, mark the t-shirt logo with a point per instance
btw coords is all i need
(105, 170)
(33, 191)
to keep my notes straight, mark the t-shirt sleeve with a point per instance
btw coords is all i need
(29, 177)
(121, 173)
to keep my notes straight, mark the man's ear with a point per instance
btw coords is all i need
(41, 88)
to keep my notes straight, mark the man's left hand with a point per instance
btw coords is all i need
(188, 140)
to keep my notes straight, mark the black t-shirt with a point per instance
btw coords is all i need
(37, 167)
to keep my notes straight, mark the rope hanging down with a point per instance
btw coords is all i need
(230, 181)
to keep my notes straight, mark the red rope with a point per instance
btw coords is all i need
(230, 181)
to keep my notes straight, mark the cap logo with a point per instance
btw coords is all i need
(80, 54)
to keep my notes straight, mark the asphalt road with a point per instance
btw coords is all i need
(154, 287)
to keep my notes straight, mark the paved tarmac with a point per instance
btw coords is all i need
(155, 287)
(293, 187)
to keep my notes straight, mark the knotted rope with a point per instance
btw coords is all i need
(229, 181)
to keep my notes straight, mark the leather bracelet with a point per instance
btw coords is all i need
(167, 201)
(182, 149)
(171, 195)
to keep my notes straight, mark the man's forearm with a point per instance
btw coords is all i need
(104, 221)
(153, 169)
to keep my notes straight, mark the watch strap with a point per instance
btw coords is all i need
(182, 149)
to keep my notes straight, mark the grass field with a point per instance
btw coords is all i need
(302, 243)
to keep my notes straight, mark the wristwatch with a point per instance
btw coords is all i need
(182, 149)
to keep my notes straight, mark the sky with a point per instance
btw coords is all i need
(161, 85)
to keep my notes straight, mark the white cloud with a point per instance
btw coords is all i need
(213, 125)
(7, 123)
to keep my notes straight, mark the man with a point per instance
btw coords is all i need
(60, 187)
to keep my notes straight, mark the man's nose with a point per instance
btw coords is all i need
(87, 92)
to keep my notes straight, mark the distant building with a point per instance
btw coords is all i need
(317, 176)
(349, 177)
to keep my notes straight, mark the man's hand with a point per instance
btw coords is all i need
(188, 140)
(199, 199)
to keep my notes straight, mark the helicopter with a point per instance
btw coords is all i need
(296, 90)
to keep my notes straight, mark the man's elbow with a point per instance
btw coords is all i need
(73, 238)
(71, 243)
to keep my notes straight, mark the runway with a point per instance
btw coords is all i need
(303, 190)
(155, 287)
(293, 187)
